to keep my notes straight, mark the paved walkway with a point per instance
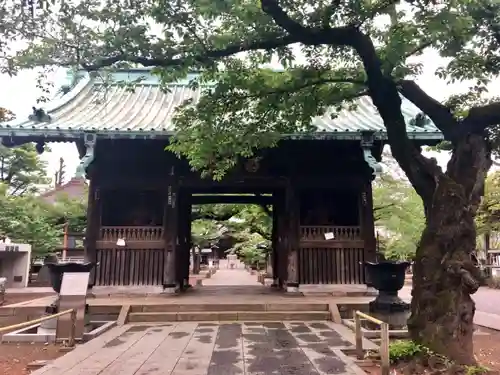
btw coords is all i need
(189, 348)
(228, 277)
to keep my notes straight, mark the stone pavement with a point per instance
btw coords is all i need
(231, 277)
(190, 348)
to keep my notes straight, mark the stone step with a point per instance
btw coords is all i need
(149, 317)
(229, 307)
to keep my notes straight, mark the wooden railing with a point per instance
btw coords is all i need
(384, 339)
(71, 339)
(318, 232)
(136, 237)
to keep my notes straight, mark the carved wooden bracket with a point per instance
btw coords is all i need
(367, 141)
(89, 140)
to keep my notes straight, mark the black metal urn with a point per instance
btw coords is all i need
(58, 269)
(388, 277)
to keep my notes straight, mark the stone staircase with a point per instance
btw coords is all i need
(228, 312)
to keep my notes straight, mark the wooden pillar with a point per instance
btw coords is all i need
(275, 246)
(184, 238)
(293, 241)
(368, 223)
(92, 229)
(170, 228)
(281, 239)
(180, 248)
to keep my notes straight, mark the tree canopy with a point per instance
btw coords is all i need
(399, 217)
(28, 219)
(21, 168)
(489, 210)
(5, 114)
(332, 53)
(243, 229)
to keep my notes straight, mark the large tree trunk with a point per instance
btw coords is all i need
(444, 274)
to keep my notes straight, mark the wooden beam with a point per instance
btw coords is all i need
(243, 181)
(368, 222)
(123, 316)
(332, 244)
(92, 229)
(231, 199)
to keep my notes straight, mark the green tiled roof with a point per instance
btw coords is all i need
(147, 112)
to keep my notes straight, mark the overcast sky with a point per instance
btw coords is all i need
(19, 94)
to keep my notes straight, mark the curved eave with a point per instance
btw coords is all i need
(147, 113)
(69, 135)
(22, 124)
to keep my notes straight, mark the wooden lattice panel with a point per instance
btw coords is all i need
(129, 266)
(331, 265)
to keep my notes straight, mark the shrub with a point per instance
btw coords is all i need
(402, 350)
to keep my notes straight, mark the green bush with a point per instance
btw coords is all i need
(406, 350)
(476, 370)
(402, 350)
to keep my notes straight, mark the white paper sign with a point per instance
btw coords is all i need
(329, 236)
(75, 284)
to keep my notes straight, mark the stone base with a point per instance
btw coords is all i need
(388, 303)
(396, 319)
(169, 291)
(292, 288)
(90, 294)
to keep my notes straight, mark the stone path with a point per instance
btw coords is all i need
(190, 348)
(228, 277)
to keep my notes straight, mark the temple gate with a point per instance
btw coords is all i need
(140, 196)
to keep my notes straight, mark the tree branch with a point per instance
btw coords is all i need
(211, 216)
(480, 118)
(272, 8)
(378, 8)
(375, 209)
(273, 41)
(338, 36)
(384, 93)
(440, 115)
(418, 49)
(414, 51)
(304, 85)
